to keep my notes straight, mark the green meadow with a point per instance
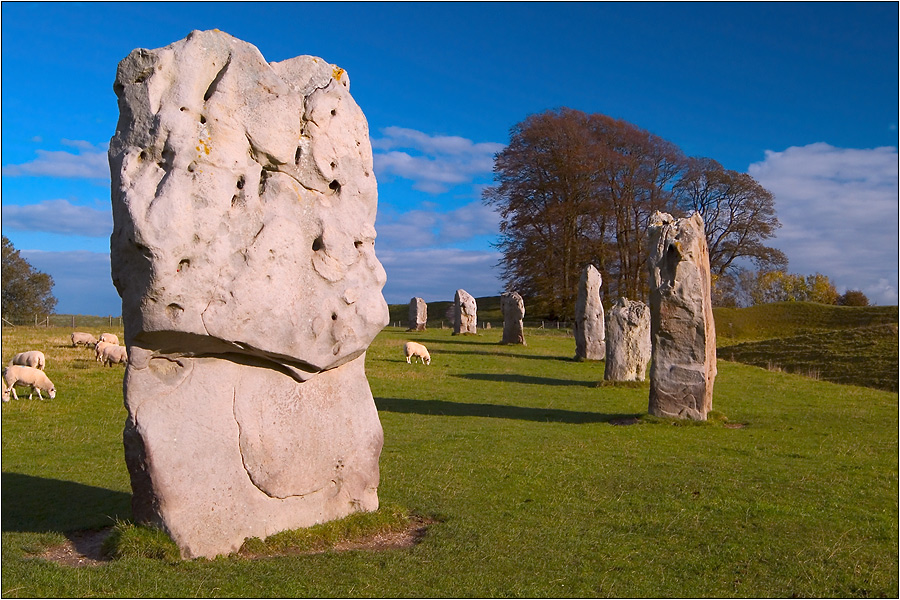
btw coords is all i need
(534, 477)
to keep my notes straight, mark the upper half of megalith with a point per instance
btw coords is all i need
(244, 205)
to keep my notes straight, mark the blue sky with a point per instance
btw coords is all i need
(804, 96)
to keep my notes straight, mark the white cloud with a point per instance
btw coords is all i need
(435, 274)
(58, 216)
(421, 228)
(82, 282)
(90, 163)
(434, 163)
(839, 213)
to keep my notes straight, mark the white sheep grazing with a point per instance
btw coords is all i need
(415, 349)
(98, 350)
(80, 338)
(113, 354)
(21, 375)
(110, 338)
(32, 358)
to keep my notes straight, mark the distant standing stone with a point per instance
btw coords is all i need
(627, 341)
(418, 314)
(513, 309)
(464, 313)
(590, 330)
(682, 330)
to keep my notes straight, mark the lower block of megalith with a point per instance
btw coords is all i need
(220, 451)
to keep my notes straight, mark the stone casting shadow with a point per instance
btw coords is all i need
(528, 379)
(37, 504)
(497, 411)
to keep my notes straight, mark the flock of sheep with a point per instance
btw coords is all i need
(27, 368)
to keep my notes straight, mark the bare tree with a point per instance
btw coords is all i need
(738, 214)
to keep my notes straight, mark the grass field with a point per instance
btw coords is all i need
(533, 488)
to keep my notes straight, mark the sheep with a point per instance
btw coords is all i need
(21, 375)
(83, 339)
(113, 354)
(98, 350)
(110, 338)
(415, 349)
(33, 358)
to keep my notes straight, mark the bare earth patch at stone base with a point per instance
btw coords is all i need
(85, 548)
(81, 549)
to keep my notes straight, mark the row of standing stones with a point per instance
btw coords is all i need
(244, 204)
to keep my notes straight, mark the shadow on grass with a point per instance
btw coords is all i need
(37, 504)
(466, 340)
(506, 354)
(497, 411)
(527, 379)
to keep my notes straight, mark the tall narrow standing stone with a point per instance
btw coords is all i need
(464, 313)
(512, 307)
(418, 314)
(682, 330)
(244, 204)
(590, 329)
(627, 341)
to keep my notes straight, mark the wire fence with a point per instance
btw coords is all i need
(63, 321)
(445, 324)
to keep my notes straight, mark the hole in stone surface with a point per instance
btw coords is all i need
(333, 165)
(334, 186)
(318, 244)
(263, 181)
(297, 155)
(192, 167)
(358, 244)
(334, 316)
(143, 155)
(183, 108)
(333, 112)
(184, 264)
(240, 182)
(202, 120)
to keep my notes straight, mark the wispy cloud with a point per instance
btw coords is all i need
(89, 163)
(839, 213)
(422, 228)
(81, 281)
(58, 216)
(436, 274)
(435, 163)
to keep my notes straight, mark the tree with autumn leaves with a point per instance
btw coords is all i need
(574, 189)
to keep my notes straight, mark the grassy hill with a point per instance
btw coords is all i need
(534, 484)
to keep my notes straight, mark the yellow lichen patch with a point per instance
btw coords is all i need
(337, 72)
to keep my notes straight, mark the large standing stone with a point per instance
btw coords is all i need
(243, 248)
(464, 313)
(590, 329)
(627, 341)
(512, 307)
(683, 334)
(418, 314)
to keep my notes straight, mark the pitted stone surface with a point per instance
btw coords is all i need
(590, 328)
(627, 341)
(243, 248)
(682, 330)
(464, 313)
(418, 314)
(512, 307)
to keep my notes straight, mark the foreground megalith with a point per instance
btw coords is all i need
(418, 314)
(627, 341)
(682, 331)
(464, 313)
(243, 249)
(590, 328)
(512, 307)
